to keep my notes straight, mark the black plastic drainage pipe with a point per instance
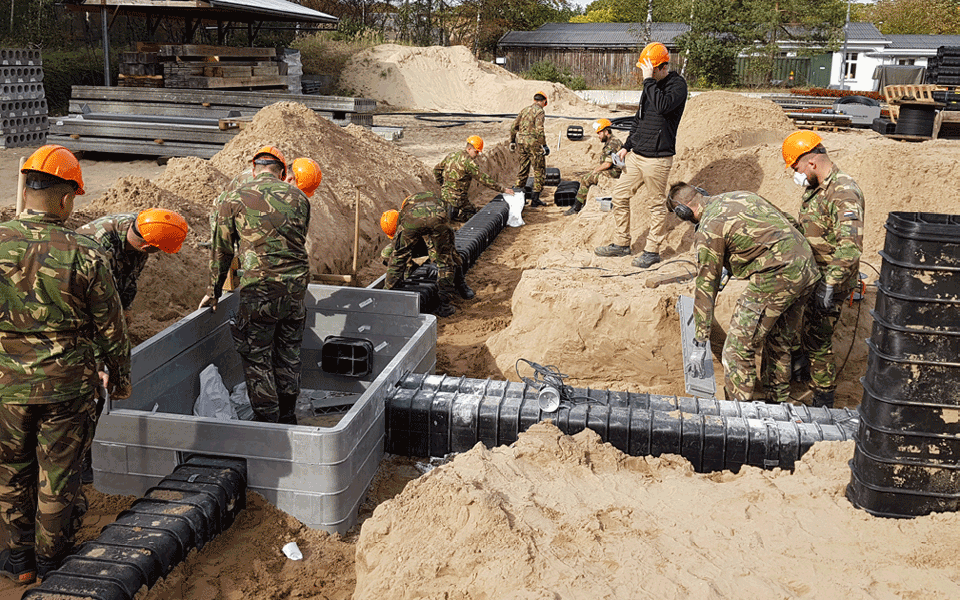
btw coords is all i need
(436, 423)
(187, 509)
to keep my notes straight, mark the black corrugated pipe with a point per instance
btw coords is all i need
(431, 422)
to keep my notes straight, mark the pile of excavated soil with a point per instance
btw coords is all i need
(557, 516)
(449, 79)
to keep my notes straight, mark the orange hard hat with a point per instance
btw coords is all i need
(656, 52)
(388, 222)
(308, 175)
(601, 124)
(276, 154)
(541, 93)
(57, 161)
(799, 143)
(476, 141)
(162, 228)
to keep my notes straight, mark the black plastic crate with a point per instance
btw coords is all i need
(909, 311)
(891, 500)
(905, 379)
(352, 357)
(923, 239)
(574, 132)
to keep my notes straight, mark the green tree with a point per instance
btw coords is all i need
(635, 11)
(936, 17)
(485, 21)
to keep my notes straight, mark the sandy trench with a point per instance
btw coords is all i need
(551, 516)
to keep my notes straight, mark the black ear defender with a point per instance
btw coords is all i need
(684, 212)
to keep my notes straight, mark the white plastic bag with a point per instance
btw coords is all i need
(515, 202)
(214, 399)
(241, 402)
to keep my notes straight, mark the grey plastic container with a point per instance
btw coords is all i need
(317, 474)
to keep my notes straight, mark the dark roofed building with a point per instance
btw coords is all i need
(603, 53)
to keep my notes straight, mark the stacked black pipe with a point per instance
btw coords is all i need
(566, 192)
(944, 68)
(907, 460)
(437, 415)
(470, 241)
(187, 509)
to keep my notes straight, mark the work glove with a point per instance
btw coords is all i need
(119, 388)
(546, 150)
(696, 366)
(823, 296)
(513, 146)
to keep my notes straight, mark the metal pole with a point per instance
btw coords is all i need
(843, 59)
(105, 31)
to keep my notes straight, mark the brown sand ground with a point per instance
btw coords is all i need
(554, 516)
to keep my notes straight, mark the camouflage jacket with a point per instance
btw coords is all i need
(60, 313)
(831, 218)
(266, 219)
(528, 126)
(456, 171)
(126, 262)
(244, 177)
(612, 146)
(753, 239)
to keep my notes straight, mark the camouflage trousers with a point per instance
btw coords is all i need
(41, 448)
(459, 201)
(586, 181)
(531, 155)
(268, 334)
(816, 339)
(428, 226)
(763, 322)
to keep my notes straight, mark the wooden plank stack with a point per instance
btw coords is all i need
(198, 66)
(23, 106)
(179, 122)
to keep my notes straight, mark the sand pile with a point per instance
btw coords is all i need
(193, 179)
(554, 512)
(449, 79)
(351, 159)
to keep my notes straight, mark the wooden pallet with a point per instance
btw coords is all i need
(149, 81)
(821, 126)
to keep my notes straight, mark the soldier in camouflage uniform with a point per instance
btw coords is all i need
(527, 138)
(606, 168)
(266, 220)
(753, 240)
(831, 218)
(455, 172)
(60, 314)
(130, 239)
(422, 220)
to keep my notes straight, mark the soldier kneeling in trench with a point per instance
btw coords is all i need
(421, 223)
(754, 241)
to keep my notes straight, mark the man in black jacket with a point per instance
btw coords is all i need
(648, 154)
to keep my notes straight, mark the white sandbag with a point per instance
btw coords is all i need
(515, 202)
(214, 399)
(241, 402)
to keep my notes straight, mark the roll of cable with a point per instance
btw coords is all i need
(916, 119)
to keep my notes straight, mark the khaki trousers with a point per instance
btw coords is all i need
(652, 173)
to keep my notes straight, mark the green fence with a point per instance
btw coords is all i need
(786, 72)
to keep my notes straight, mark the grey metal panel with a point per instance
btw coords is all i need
(141, 147)
(222, 98)
(141, 130)
(706, 386)
(279, 8)
(317, 474)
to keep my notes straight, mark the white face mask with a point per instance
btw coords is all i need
(800, 179)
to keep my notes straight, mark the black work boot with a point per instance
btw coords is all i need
(20, 565)
(45, 565)
(460, 284)
(288, 408)
(646, 260)
(823, 398)
(574, 209)
(535, 200)
(445, 310)
(86, 467)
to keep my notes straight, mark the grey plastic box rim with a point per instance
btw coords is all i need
(317, 474)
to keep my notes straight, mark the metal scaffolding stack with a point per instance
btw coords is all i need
(23, 108)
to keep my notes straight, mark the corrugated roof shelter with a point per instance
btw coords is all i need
(252, 13)
(603, 53)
